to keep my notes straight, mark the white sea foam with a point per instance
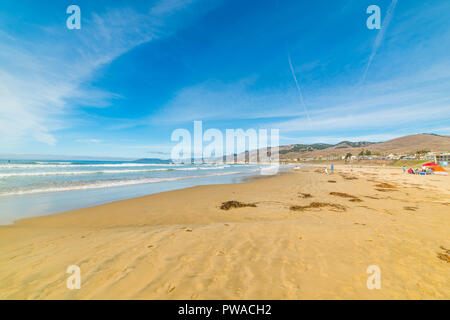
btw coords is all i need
(70, 173)
(93, 172)
(106, 165)
(213, 168)
(108, 184)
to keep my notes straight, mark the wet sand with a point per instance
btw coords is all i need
(302, 235)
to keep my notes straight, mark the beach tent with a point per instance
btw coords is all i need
(436, 168)
(430, 164)
(439, 170)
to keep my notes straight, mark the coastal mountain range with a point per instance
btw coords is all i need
(404, 145)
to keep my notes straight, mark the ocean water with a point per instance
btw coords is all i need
(36, 188)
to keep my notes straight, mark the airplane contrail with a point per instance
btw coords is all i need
(302, 100)
(380, 37)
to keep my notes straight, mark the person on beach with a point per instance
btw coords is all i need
(332, 168)
(404, 169)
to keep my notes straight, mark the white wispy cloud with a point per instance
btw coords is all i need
(217, 100)
(42, 72)
(403, 102)
(89, 140)
(409, 92)
(169, 6)
(396, 100)
(339, 138)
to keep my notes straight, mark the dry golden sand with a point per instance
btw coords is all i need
(181, 245)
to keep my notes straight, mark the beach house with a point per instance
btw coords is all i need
(442, 158)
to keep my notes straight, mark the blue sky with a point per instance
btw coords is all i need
(137, 70)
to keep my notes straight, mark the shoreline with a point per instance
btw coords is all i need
(181, 245)
(32, 221)
(60, 202)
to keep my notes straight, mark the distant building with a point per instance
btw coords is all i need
(442, 158)
(393, 156)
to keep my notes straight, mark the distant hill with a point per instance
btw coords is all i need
(407, 144)
(303, 147)
(413, 143)
(348, 144)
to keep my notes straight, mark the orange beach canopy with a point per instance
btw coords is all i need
(437, 169)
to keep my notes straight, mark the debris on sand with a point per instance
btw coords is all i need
(170, 289)
(342, 195)
(445, 255)
(385, 186)
(335, 207)
(348, 177)
(331, 181)
(305, 195)
(235, 204)
(346, 195)
(385, 190)
(410, 208)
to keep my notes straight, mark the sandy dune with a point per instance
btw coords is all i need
(181, 245)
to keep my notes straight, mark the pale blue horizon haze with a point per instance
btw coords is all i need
(138, 70)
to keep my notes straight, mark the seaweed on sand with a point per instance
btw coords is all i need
(445, 255)
(385, 185)
(333, 206)
(346, 195)
(235, 204)
(305, 195)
